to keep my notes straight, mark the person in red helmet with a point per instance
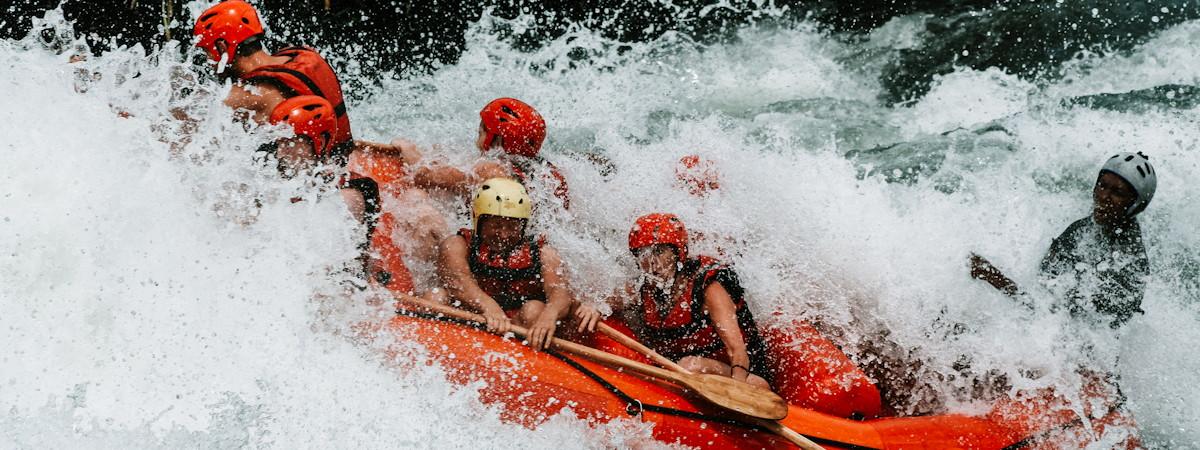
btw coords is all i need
(691, 309)
(231, 34)
(315, 123)
(517, 130)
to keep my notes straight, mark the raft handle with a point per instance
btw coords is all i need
(634, 408)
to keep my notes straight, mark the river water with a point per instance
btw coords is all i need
(160, 290)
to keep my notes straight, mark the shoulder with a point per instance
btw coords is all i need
(491, 169)
(1078, 226)
(1073, 232)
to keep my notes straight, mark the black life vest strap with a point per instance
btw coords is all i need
(338, 109)
(370, 192)
(523, 166)
(340, 153)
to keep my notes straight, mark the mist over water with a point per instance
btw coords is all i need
(149, 301)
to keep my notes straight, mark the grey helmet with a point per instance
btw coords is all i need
(1135, 169)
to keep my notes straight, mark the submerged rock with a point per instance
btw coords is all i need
(926, 157)
(1029, 38)
(1173, 96)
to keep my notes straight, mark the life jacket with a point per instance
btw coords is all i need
(523, 169)
(512, 280)
(685, 329)
(382, 259)
(307, 73)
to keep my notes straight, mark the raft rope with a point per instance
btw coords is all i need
(633, 406)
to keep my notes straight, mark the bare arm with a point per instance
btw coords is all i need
(455, 274)
(406, 151)
(258, 99)
(442, 177)
(558, 297)
(355, 202)
(721, 310)
(558, 300)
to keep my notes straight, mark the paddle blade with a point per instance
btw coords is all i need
(738, 396)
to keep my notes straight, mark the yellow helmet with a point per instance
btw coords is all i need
(503, 197)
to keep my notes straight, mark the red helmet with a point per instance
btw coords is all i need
(520, 127)
(311, 117)
(232, 21)
(698, 176)
(659, 228)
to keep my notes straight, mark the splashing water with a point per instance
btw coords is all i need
(160, 290)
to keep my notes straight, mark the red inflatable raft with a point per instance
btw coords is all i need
(824, 389)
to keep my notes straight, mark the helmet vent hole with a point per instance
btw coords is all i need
(1141, 171)
(509, 111)
(208, 16)
(245, 21)
(521, 202)
(498, 198)
(1129, 158)
(485, 187)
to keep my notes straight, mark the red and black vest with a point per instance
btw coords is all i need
(681, 327)
(511, 280)
(307, 73)
(523, 168)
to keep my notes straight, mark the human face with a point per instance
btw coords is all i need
(481, 141)
(1112, 196)
(657, 261)
(501, 233)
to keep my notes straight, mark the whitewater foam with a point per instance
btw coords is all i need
(150, 302)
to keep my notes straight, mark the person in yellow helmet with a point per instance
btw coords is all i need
(497, 269)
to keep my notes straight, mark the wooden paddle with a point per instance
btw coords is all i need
(773, 425)
(722, 391)
(632, 343)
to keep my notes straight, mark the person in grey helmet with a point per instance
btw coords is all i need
(1098, 266)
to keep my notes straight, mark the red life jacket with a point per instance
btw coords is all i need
(511, 280)
(307, 73)
(523, 168)
(686, 329)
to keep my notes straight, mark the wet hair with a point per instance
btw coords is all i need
(250, 46)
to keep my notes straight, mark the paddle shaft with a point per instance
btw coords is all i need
(581, 350)
(789, 434)
(632, 343)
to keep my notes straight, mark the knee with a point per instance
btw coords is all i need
(530, 312)
(691, 364)
(437, 295)
(758, 381)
